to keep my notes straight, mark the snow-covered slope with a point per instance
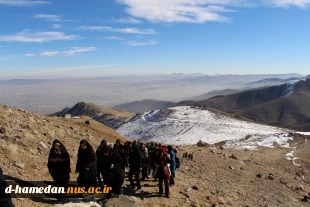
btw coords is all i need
(187, 125)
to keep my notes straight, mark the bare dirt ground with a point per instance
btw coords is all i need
(262, 177)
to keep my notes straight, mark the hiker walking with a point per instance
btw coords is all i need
(134, 165)
(172, 164)
(86, 165)
(104, 161)
(59, 163)
(122, 153)
(162, 170)
(144, 161)
(117, 174)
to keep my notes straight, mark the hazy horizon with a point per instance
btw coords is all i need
(51, 95)
(135, 75)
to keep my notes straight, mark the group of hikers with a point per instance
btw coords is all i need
(189, 156)
(106, 165)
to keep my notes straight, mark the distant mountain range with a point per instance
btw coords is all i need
(270, 81)
(216, 93)
(285, 105)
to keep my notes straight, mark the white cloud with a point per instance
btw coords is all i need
(121, 30)
(71, 51)
(49, 53)
(197, 11)
(23, 2)
(287, 3)
(113, 38)
(137, 43)
(78, 50)
(29, 55)
(39, 37)
(48, 17)
(130, 20)
(56, 25)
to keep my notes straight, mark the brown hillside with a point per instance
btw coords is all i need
(107, 116)
(26, 138)
(268, 105)
(90, 109)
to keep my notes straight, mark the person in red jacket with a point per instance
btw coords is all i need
(162, 170)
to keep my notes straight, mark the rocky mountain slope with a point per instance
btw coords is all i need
(110, 117)
(217, 176)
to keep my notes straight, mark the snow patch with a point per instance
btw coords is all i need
(304, 133)
(187, 125)
(290, 156)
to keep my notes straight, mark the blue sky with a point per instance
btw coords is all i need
(66, 38)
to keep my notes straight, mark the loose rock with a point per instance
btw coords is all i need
(20, 165)
(270, 177)
(233, 157)
(195, 188)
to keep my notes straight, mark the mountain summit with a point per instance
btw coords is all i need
(109, 117)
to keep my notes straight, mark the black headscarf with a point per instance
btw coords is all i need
(87, 157)
(63, 153)
(61, 147)
(89, 148)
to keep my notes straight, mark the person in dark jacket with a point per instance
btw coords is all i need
(162, 171)
(59, 163)
(86, 165)
(144, 161)
(122, 153)
(171, 152)
(134, 165)
(117, 175)
(104, 161)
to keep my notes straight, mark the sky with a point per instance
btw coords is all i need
(66, 38)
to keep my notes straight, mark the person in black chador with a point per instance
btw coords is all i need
(104, 161)
(134, 165)
(59, 163)
(86, 165)
(162, 170)
(122, 153)
(117, 174)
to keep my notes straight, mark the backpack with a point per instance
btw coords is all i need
(177, 162)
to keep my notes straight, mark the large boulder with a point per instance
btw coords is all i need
(203, 144)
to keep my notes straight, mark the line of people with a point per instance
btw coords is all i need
(106, 165)
(189, 156)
